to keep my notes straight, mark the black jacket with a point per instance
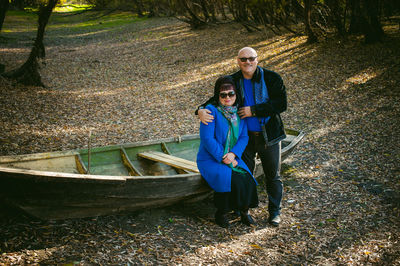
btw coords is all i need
(273, 131)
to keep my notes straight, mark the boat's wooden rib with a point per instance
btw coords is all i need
(170, 160)
(164, 148)
(80, 166)
(133, 171)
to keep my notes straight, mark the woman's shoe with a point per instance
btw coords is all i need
(246, 219)
(221, 220)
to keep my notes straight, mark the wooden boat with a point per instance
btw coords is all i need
(108, 180)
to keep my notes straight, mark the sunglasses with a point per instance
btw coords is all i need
(244, 59)
(224, 95)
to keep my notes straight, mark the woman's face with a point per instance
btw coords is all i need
(227, 97)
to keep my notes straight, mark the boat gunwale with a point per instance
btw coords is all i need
(295, 141)
(68, 153)
(61, 176)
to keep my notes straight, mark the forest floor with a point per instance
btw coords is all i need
(142, 80)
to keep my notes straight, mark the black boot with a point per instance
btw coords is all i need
(221, 219)
(245, 218)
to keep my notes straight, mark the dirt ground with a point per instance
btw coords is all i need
(143, 80)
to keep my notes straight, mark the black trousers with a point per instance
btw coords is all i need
(243, 194)
(271, 162)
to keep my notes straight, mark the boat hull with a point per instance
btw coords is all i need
(53, 198)
(59, 195)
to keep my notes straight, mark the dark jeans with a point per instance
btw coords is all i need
(271, 162)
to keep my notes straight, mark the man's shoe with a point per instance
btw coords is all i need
(274, 220)
(221, 220)
(233, 215)
(246, 219)
(236, 214)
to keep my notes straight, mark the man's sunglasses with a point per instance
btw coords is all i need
(224, 95)
(244, 59)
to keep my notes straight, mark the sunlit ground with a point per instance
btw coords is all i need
(134, 80)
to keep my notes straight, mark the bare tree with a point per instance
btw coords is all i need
(311, 37)
(192, 17)
(139, 7)
(371, 26)
(28, 73)
(355, 17)
(4, 4)
(337, 16)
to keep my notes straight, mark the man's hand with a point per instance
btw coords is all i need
(244, 112)
(229, 158)
(205, 117)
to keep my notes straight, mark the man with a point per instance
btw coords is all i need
(263, 98)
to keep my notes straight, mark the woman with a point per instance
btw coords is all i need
(222, 143)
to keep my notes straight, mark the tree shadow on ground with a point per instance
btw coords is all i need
(340, 201)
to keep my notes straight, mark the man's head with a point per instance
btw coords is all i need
(247, 61)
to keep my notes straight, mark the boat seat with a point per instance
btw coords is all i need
(170, 160)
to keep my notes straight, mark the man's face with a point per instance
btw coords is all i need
(248, 67)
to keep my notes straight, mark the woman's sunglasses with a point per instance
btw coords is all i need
(223, 95)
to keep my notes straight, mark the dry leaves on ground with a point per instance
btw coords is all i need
(144, 80)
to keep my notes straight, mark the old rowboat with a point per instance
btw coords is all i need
(108, 180)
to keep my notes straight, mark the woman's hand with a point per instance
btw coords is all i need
(234, 163)
(229, 158)
(204, 116)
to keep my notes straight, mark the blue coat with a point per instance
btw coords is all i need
(212, 143)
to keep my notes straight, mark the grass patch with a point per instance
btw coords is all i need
(106, 22)
(17, 22)
(288, 170)
(64, 21)
(92, 21)
(18, 19)
(71, 8)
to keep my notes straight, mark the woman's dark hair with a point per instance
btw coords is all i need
(223, 83)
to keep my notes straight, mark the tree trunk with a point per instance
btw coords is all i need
(18, 4)
(336, 16)
(213, 11)
(4, 4)
(298, 9)
(139, 7)
(205, 10)
(242, 9)
(28, 73)
(311, 37)
(44, 16)
(355, 17)
(371, 26)
(194, 21)
(221, 9)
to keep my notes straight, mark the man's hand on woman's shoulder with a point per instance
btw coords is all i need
(205, 116)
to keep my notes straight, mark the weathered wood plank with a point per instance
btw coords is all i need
(170, 160)
(166, 150)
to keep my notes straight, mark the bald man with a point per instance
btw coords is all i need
(262, 96)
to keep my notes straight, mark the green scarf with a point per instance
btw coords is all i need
(230, 113)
